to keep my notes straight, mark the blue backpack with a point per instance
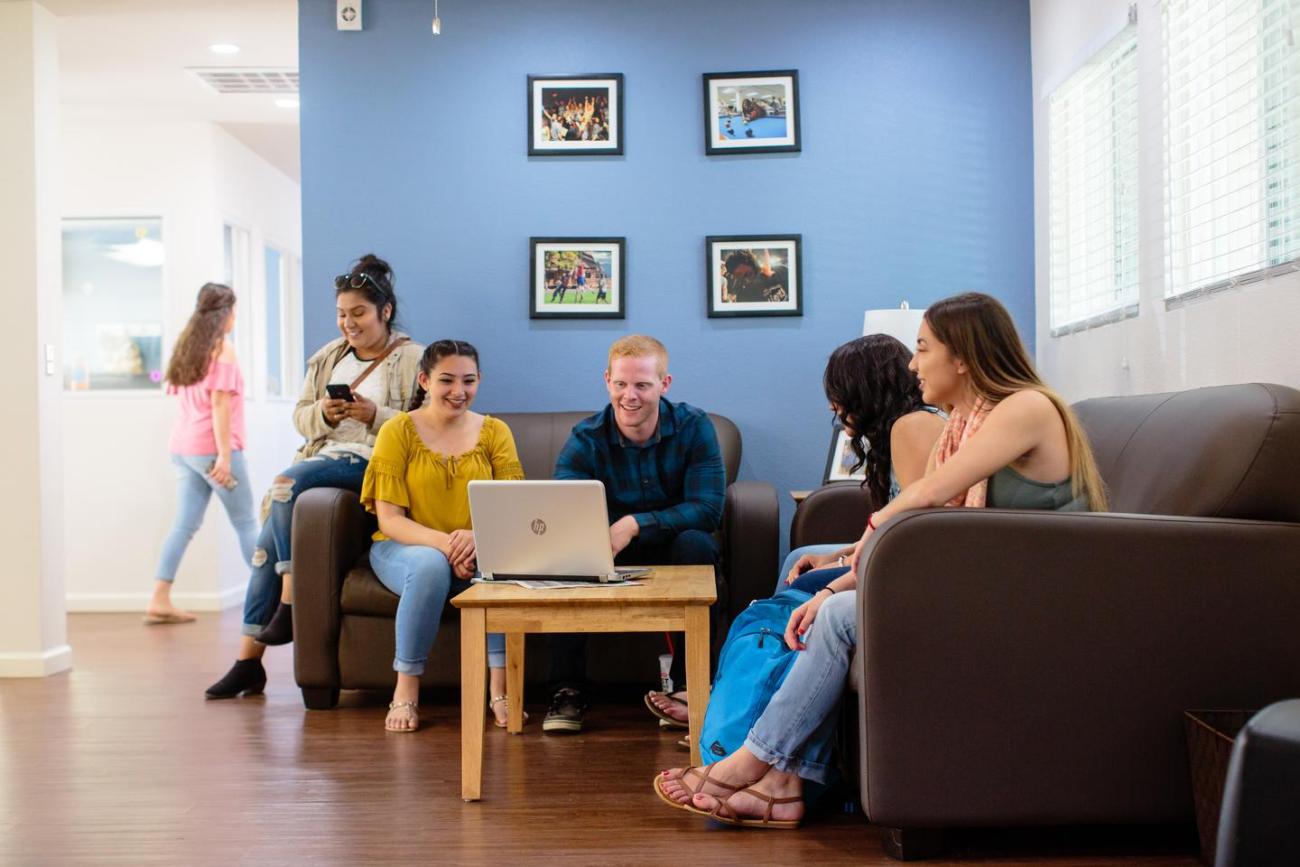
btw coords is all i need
(751, 667)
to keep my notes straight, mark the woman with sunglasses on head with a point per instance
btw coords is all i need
(417, 484)
(353, 385)
(1010, 442)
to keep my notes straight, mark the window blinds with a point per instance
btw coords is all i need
(1232, 142)
(1093, 187)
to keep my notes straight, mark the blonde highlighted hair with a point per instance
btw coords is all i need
(639, 346)
(977, 329)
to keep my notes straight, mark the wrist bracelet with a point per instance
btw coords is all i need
(829, 589)
(871, 521)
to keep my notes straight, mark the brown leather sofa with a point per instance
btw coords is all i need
(1028, 668)
(343, 616)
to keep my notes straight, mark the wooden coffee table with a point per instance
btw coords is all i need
(672, 599)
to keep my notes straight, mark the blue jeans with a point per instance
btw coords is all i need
(422, 577)
(194, 487)
(794, 733)
(271, 557)
(794, 556)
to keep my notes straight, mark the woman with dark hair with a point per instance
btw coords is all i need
(353, 385)
(1010, 442)
(207, 440)
(891, 431)
(417, 484)
(877, 400)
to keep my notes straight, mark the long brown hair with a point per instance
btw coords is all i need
(201, 338)
(977, 329)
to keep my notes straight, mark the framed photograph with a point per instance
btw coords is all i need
(754, 275)
(577, 278)
(840, 461)
(751, 112)
(575, 115)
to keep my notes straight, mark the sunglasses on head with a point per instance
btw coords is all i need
(356, 281)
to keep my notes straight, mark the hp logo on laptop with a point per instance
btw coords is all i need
(538, 526)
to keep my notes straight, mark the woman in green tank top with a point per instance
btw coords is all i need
(1010, 442)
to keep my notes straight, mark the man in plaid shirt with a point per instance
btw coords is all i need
(664, 486)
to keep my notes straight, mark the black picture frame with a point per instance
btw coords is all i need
(779, 89)
(584, 85)
(543, 302)
(719, 287)
(835, 466)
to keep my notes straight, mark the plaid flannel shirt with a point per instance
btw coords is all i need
(674, 482)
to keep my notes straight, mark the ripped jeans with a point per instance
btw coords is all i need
(271, 556)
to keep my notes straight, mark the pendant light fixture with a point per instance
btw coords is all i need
(437, 22)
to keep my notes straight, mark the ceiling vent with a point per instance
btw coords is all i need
(225, 79)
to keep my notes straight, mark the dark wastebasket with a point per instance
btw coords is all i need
(1210, 735)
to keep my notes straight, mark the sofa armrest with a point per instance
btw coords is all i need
(1032, 667)
(751, 539)
(330, 532)
(832, 514)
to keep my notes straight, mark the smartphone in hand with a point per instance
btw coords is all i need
(340, 391)
(230, 484)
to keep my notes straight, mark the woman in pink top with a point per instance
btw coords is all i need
(207, 440)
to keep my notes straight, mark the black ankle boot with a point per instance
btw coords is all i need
(247, 676)
(280, 629)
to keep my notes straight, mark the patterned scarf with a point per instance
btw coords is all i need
(960, 428)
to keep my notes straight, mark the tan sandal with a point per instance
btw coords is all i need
(492, 703)
(168, 618)
(410, 714)
(704, 780)
(766, 822)
(665, 721)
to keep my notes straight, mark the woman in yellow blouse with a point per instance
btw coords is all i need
(417, 484)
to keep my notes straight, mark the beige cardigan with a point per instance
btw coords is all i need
(398, 369)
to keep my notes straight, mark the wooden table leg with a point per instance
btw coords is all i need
(473, 688)
(697, 673)
(515, 682)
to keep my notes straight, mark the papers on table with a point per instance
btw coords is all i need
(556, 584)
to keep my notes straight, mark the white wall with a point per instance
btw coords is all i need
(1239, 335)
(250, 192)
(33, 634)
(119, 490)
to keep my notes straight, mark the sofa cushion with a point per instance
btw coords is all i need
(1225, 452)
(363, 594)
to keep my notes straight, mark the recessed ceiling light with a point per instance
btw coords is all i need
(223, 48)
(287, 102)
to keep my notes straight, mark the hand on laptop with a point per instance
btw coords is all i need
(621, 533)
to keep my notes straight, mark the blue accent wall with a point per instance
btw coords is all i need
(915, 182)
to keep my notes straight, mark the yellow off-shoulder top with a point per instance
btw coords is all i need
(432, 487)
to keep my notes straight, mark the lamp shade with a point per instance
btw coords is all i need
(899, 323)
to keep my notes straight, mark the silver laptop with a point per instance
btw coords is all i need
(543, 530)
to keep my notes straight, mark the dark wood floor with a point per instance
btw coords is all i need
(121, 761)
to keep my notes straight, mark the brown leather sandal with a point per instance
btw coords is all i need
(665, 721)
(766, 822)
(704, 780)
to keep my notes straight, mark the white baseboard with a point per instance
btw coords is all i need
(43, 664)
(81, 603)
